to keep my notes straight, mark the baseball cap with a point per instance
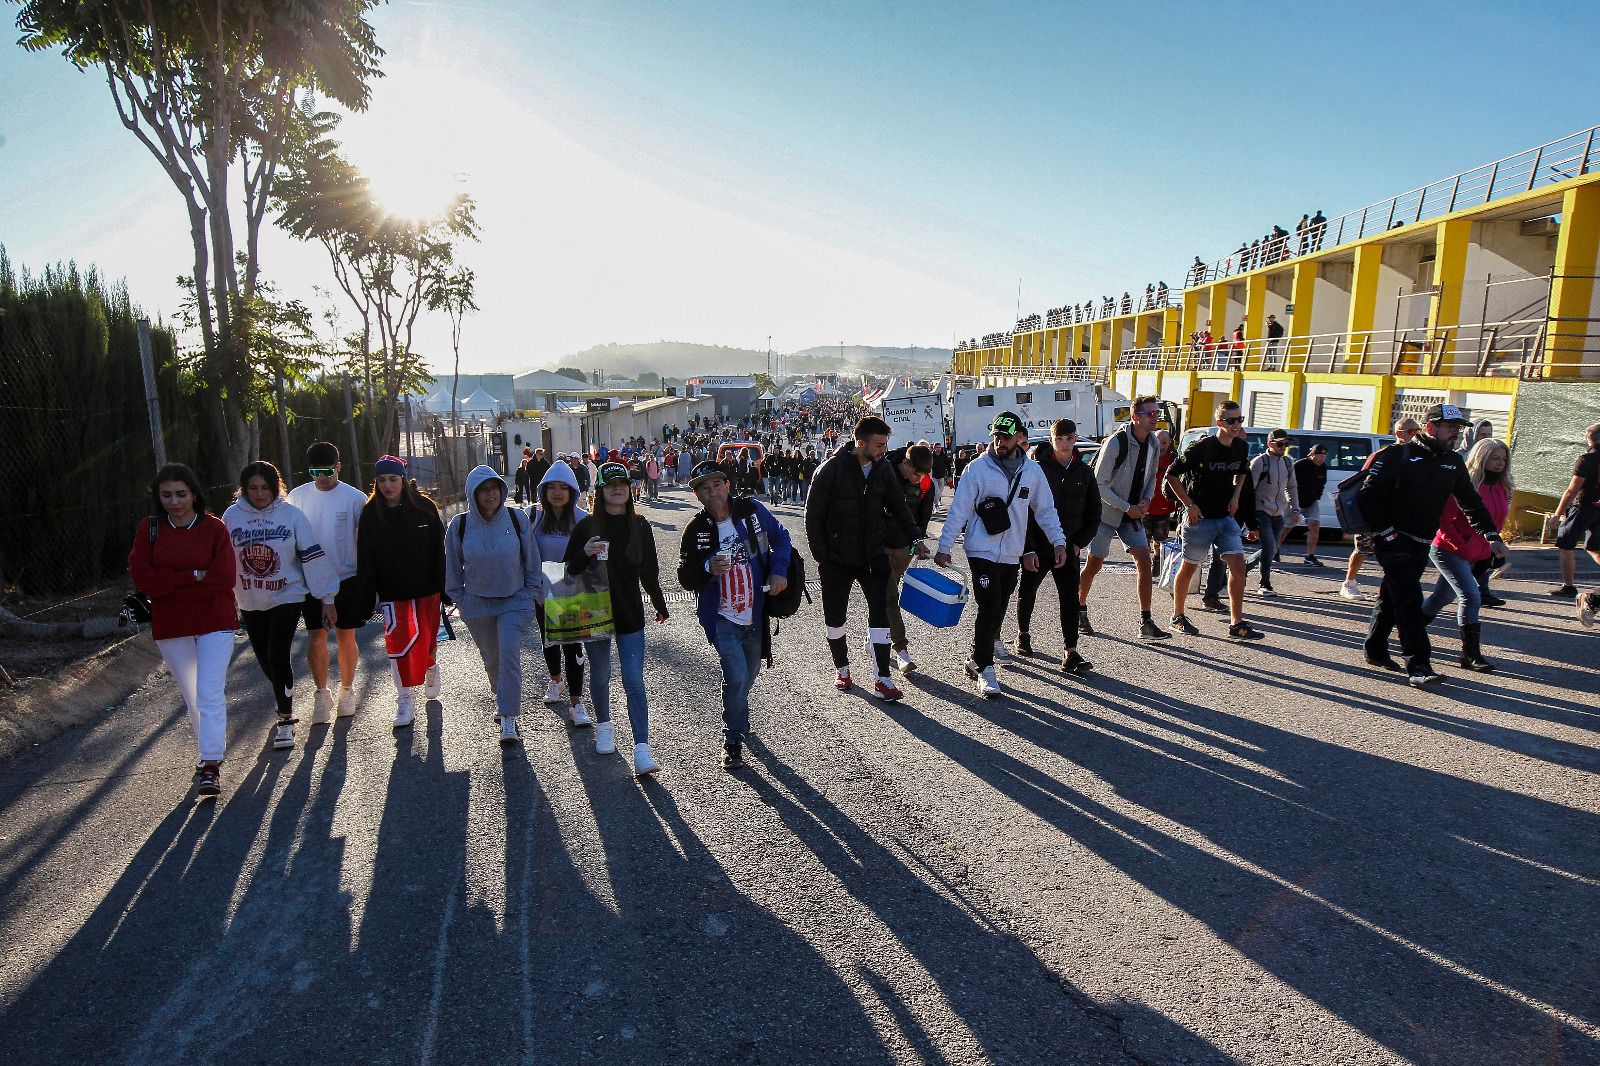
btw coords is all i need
(1318, 449)
(1278, 434)
(704, 471)
(1447, 412)
(610, 473)
(1007, 423)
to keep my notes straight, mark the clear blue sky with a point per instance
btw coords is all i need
(875, 173)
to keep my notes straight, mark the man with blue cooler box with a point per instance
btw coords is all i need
(997, 493)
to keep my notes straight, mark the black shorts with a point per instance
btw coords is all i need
(353, 607)
(1579, 528)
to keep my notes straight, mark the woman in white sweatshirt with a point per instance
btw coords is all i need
(279, 564)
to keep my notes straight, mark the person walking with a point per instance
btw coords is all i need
(1277, 500)
(855, 500)
(1076, 495)
(1158, 512)
(1310, 480)
(493, 576)
(1579, 522)
(521, 474)
(334, 509)
(1403, 499)
(183, 561)
(1274, 340)
(1125, 469)
(1459, 551)
(1207, 481)
(554, 516)
(280, 562)
(990, 509)
(913, 467)
(618, 537)
(652, 477)
(400, 560)
(733, 555)
(1404, 430)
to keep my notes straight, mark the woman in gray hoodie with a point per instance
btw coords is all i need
(554, 515)
(492, 573)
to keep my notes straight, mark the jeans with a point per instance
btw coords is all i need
(271, 635)
(1403, 562)
(992, 585)
(1271, 529)
(1456, 582)
(1066, 580)
(500, 638)
(739, 648)
(200, 667)
(630, 653)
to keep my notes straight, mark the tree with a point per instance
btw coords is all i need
(574, 373)
(452, 293)
(210, 89)
(383, 263)
(649, 378)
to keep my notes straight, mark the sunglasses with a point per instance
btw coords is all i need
(1276, 443)
(1230, 421)
(321, 471)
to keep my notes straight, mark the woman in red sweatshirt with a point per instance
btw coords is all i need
(183, 560)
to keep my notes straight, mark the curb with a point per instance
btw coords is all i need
(47, 708)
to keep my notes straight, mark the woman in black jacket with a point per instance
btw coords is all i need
(400, 557)
(1077, 499)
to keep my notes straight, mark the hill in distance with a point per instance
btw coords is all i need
(683, 359)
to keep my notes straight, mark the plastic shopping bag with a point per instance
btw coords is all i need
(576, 608)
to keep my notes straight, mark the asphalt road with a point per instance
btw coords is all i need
(1202, 853)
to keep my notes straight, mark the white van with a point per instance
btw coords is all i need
(1347, 453)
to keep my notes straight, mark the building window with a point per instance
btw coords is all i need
(985, 401)
(1063, 394)
(1024, 397)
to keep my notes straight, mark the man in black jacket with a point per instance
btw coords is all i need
(1077, 499)
(1402, 498)
(911, 466)
(855, 498)
(1311, 478)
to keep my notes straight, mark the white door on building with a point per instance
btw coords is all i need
(1339, 413)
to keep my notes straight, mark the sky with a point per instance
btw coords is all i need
(871, 173)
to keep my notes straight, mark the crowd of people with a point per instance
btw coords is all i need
(1276, 245)
(333, 556)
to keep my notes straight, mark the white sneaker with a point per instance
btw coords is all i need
(903, 661)
(347, 702)
(988, 684)
(580, 715)
(283, 735)
(1349, 591)
(404, 709)
(605, 737)
(509, 737)
(643, 761)
(432, 684)
(1001, 653)
(552, 692)
(322, 707)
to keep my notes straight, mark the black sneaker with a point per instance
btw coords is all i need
(1074, 663)
(1491, 600)
(1244, 631)
(1083, 623)
(732, 758)
(1312, 560)
(1182, 624)
(1212, 604)
(1148, 630)
(1565, 592)
(1383, 661)
(1024, 643)
(210, 782)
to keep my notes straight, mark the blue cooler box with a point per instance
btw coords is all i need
(932, 596)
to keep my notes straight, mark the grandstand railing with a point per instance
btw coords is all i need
(1094, 374)
(1547, 164)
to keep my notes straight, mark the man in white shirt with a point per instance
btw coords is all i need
(334, 510)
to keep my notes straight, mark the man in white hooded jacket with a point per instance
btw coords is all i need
(997, 490)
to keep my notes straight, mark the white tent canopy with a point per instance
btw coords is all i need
(479, 403)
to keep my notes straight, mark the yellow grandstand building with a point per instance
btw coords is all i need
(1480, 290)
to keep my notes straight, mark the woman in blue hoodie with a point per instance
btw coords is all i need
(492, 574)
(554, 515)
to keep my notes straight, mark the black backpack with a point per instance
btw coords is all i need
(783, 604)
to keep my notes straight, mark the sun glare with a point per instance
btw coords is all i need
(414, 189)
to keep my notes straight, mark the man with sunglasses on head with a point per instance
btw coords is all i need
(1126, 470)
(998, 493)
(334, 510)
(1207, 480)
(1277, 500)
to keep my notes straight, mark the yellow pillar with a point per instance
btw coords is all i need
(1191, 313)
(1116, 339)
(1449, 271)
(1096, 331)
(1572, 290)
(1172, 333)
(1381, 422)
(1220, 326)
(1255, 305)
(1301, 293)
(1363, 298)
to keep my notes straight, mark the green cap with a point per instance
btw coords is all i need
(1006, 423)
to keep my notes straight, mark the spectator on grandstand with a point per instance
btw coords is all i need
(1302, 232)
(1319, 227)
(1269, 360)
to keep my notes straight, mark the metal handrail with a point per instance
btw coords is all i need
(1556, 161)
(1096, 374)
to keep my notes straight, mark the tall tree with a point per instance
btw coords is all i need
(453, 294)
(210, 88)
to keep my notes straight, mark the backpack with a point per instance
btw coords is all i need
(783, 604)
(1347, 505)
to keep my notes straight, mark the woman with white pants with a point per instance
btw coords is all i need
(183, 560)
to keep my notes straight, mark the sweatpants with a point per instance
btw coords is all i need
(500, 638)
(1066, 579)
(199, 665)
(556, 654)
(992, 585)
(271, 636)
(836, 582)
